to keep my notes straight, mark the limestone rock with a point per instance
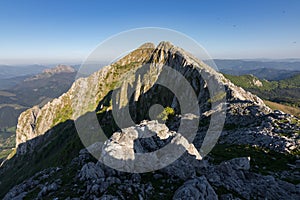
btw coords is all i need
(91, 171)
(240, 163)
(120, 150)
(197, 188)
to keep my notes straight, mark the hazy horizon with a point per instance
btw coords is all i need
(56, 31)
(23, 63)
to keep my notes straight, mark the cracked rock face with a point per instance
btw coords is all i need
(234, 175)
(121, 150)
(197, 188)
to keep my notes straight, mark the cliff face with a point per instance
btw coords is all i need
(128, 76)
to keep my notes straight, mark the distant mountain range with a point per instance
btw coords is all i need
(10, 76)
(26, 91)
(9, 71)
(33, 90)
(269, 70)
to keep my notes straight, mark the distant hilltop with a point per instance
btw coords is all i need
(60, 69)
(52, 71)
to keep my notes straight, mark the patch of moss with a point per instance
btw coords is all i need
(283, 121)
(4, 153)
(64, 113)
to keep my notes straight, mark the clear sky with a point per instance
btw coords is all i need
(63, 31)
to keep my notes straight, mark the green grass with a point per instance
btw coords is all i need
(285, 108)
(12, 129)
(285, 91)
(65, 113)
(247, 81)
(4, 153)
(218, 97)
(7, 142)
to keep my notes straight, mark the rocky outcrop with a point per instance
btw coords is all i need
(276, 131)
(38, 180)
(90, 171)
(121, 150)
(231, 179)
(60, 69)
(197, 188)
(234, 176)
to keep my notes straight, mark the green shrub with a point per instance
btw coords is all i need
(166, 114)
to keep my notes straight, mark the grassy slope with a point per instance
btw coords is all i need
(287, 109)
(7, 141)
(285, 91)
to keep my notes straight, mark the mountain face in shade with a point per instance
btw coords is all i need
(51, 162)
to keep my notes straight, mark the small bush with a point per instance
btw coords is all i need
(166, 114)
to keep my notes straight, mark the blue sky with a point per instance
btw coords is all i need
(67, 31)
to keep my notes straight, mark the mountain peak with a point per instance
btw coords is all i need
(60, 69)
(147, 45)
(165, 45)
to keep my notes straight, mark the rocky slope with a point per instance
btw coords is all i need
(255, 157)
(186, 178)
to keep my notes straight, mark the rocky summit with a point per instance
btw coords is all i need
(224, 144)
